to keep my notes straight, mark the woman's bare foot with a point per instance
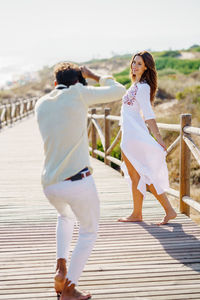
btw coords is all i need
(169, 216)
(131, 218)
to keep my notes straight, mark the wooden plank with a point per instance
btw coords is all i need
(192, 203)
(192, 130)
(193, 148)
(170, 127)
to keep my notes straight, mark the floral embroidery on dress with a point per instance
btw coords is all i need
(130, 97)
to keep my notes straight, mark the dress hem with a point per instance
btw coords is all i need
(144, 179)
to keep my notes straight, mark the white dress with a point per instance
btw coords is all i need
(145, 154)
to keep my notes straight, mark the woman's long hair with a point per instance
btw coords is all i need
(150, 75)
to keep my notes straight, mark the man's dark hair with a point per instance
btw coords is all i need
(68, 74)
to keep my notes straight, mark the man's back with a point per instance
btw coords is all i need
(62, 118)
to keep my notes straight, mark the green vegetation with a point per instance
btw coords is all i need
(167, 72)
(194, 48)
(124, 77)
(197, 49)
(193, 93)
(116, 152)
(168, 53)
(184, 66)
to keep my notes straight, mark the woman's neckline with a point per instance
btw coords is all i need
(140, 82)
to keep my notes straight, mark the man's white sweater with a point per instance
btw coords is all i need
(62, 120)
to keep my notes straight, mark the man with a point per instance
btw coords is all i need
(66, 177)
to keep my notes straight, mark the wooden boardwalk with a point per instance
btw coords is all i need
(129, 261)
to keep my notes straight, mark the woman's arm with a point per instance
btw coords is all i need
(149, 116)
(152, 125)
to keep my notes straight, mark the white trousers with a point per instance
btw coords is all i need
(77, 198)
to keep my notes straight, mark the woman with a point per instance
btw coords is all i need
(144, 157)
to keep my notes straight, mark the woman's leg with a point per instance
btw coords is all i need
(136, 215)
(162, 198)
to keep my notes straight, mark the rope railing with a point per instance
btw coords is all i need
(187, 146)
(12, 112)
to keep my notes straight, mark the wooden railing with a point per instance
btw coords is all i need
(13, 112)
(187, 146)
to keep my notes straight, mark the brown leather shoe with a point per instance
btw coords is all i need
(60, 277)
(71, 293)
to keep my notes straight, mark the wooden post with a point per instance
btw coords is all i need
(185, 155)
(93, 133)
(25, 108)
(6, 115)
(121, 172)
(0, 117)
(19, 110)
(30, 105)
(107, 132)
(15, 114)
(11, 120)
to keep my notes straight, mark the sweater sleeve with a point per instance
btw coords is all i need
(109, 91)
(143, 97)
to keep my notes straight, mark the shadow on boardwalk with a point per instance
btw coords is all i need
(181, 246)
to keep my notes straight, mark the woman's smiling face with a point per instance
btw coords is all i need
(138, 67)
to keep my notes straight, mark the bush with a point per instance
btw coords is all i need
(169, 53)
(116, 152)
(167, 72)
(163, 94)
(184, 66)
(123, 73)
(100, 148)
(124, 78)
(195, 48)
(190, 93)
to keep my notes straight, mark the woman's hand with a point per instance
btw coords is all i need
(152, 125)
(87, 73)
(161, 142)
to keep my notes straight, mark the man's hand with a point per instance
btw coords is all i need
(87, 73)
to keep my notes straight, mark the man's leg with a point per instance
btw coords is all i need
(82, 197)
(85, 206)
(64, 232)
(86, 209)
(57, 196)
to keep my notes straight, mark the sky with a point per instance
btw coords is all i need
(34, 33)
